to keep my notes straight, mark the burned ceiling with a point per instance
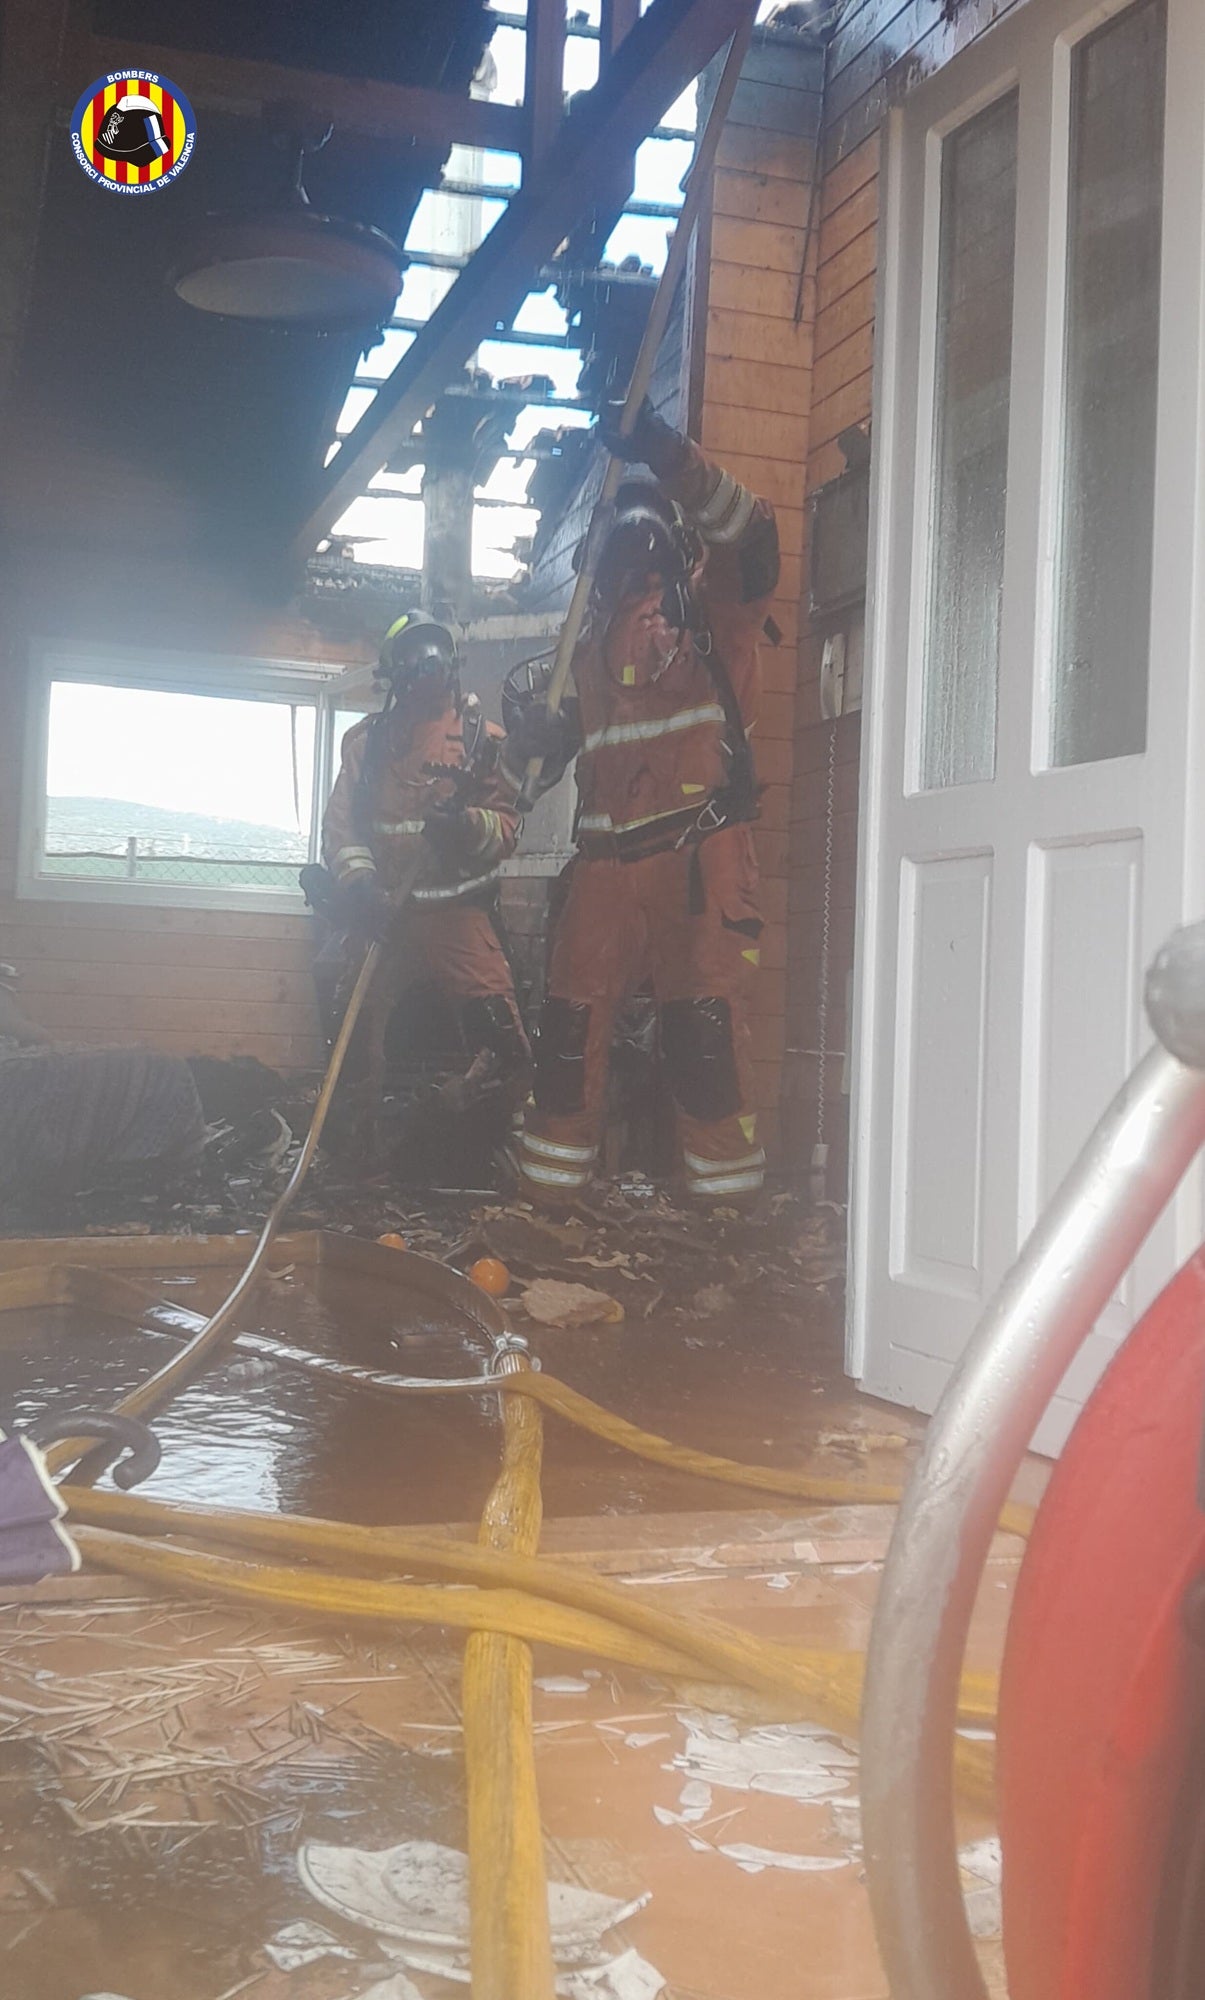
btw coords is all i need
(133, 415)
(139, 424)
(395, 41)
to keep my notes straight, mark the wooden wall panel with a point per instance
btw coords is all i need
(880, 49)
(738, 334)
(756, 420)
(846, 268)
(757, 384)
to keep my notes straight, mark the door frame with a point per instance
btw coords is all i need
(901, 402)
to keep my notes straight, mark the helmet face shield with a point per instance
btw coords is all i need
(648, 544)
(636, 556)
(416, 649)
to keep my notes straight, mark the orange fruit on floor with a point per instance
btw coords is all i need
(393, 1241)
(490, 1275)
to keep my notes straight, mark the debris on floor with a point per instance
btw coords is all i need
(981, 1867)
(305, 1944)
(552, 1302)
(276, 1802)
(861, 1439)
(161, 1751)
(629, 1243)
(414, 1900)
(792, 1759)
(72, 1116)
(220, 1772)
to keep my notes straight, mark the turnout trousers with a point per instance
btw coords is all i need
(688, 920)
(456, 948)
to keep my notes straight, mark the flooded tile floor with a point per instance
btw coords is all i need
(251, 1434)
(161, 1762)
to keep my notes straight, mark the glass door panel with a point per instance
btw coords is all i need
(1110, 381)
(970, 447)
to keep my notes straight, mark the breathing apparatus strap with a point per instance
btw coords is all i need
(375, 745)
(473, 726)
(739, 797)
(737, 800)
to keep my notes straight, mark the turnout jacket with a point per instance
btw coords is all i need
(384, 794)
(651, 754)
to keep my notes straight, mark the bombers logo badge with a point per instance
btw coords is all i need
(133, 132)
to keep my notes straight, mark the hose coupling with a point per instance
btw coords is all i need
(506, 1344)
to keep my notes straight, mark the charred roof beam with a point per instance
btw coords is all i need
(404, 114)
(654, 63)
(544, 81)
(619, 17)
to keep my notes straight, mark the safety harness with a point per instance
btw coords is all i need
(731, 805)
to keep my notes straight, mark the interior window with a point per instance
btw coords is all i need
(149, 787)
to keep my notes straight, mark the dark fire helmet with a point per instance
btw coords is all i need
(648, 535)
(414, 647)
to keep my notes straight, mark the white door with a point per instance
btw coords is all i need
(1031, 826)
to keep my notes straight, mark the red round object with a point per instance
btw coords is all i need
(1095, 1708)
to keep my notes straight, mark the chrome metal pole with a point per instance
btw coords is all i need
(1031, 1331)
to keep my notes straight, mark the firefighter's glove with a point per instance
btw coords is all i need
(463, 835)
(651, 442)
(319, 888)
(363, 904)
(553, 738)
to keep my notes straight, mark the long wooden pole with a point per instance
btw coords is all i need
(658, 319)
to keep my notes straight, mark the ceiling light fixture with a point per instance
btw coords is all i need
(288, 266)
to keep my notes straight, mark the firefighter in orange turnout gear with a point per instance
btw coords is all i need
(425, 769)
(664, 882)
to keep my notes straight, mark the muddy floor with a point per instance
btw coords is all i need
(254, 1434)
(183, 1757)
(163, 1763)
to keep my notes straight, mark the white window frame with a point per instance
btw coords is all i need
(236, 677)
(331, 689)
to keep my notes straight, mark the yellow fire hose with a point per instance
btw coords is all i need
(520, 1600)
(535, 1598)
(826, 1687)
(510, 1945)
(602, 1423)
(361, 1599)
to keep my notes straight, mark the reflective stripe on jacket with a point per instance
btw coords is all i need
(383, 795)
(653, 751)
